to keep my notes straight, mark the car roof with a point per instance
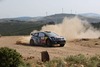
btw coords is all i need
(42, 32)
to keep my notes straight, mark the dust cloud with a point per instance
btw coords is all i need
(73, 28)
(24, 40)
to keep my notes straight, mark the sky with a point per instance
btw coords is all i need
(34, 8)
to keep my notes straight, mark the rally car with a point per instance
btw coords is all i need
(47, 38)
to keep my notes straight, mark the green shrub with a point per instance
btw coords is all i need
(77, 59)
(9, 57)
(55, 63)
(80, 59)
(93, 61)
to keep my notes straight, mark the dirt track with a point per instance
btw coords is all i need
(88, 48)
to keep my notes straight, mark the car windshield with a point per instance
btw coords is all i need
(51, 34)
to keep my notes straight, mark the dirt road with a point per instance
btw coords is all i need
(71, 48)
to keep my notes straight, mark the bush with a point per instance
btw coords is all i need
(80, 59)
(77, 59)
(55, 63)
(9, 57)
(93, 61)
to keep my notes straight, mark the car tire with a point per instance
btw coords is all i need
(48, 43)
(31, 42)
(62, 45)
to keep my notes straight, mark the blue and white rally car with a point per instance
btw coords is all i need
(47, 38)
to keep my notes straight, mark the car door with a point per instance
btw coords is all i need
(35, 38)
(41, 38)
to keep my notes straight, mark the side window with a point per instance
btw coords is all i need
(36, 34)
(41, 34)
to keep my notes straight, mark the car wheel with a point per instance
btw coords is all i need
(31, 42)
(48, 43)
(62, 45)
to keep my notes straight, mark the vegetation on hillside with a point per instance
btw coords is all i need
(25, 28)
(9, 29)
(96, 25)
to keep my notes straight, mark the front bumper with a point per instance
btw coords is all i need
(59, 42)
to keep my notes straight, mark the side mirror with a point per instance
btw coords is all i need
(31, 34)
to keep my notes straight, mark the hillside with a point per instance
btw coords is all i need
(25, 25)
(90, 17)
(19, 28)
